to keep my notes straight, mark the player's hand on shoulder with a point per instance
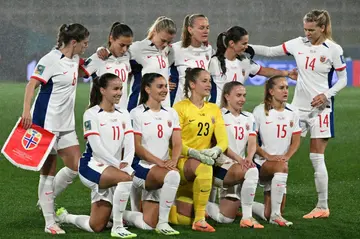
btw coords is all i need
(102, 53)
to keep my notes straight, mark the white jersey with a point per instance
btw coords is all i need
(156, 129)
(53, 108)
(239, 128)
(110, 126)
(150, 59)
(119, 66)
(236, 70)
(315, 64)
(275, 130)
(184, 58)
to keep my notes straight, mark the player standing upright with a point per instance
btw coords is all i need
(279, 138)
(53, 109)
(230, 63)
(317, 57)
(192, 51)
(118, 60)
(200, 121)
(156, 128)
(102, 167)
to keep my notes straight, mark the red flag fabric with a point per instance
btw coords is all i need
(28, 149)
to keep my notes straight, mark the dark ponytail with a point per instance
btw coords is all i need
(99, 82)
(119, 29)
(68, 32)
(234, 34)
(146, 81)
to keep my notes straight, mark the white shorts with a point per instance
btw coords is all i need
(320, 124)
(141, 172)
(90, 172)
(64, 140)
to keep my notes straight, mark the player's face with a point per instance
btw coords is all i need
(200, 29)
(240, 46)
(120, 45)
(202, 85)
(313, 32)
(162, 39)
(113, 91)
(158, 89)
(280, 90)
(80, 47)
(237, 97)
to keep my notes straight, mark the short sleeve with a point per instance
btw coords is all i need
(175, 118)
(252, 125)
(90, 124)
(44, 70)
(128, 124)
(133, 50)
(254, 68)
(136, 122)
(91, 65)
(214, 68)
(256, 115)
(338, 59)
(297, 127)
(177, 107)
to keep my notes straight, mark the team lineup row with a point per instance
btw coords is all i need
(212, 143)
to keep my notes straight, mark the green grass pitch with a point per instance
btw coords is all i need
(19, 218)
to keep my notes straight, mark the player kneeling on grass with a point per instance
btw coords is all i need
(237, 176)
(102, 167)
(155, 127)
(200, 121)
(279, 131)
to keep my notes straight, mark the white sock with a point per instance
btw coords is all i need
(213, 193)
(167, 195)
(81, 221)
(278, 185)
(258, 209)
(46, 198)
(321, 179)
(136, 219)
(120, 199)
(63, 179)
(214, 212)
(248, 190)
(135, 198)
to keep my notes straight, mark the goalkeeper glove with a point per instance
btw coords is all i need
(200, 156)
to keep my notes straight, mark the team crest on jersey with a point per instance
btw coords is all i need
(123, 125)
(291, 123)
(169, 123)
(40, 70)
(322, 59)
(243, 72)
(87, 125)
(213, 120)
(247, 126)
(31, 139)
(207, 57)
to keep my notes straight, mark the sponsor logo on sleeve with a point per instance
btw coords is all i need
(87, 125)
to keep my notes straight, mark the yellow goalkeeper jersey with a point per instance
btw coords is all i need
(198, 126)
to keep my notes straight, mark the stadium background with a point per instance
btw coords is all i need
(28, 31)
(29, 28)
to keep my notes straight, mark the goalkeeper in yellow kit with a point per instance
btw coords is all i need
(200, 122)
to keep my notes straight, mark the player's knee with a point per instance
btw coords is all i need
(252, 174)
(222, 219)
(283, 168)
(172, 178)
(204, 171)
(98, 227)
